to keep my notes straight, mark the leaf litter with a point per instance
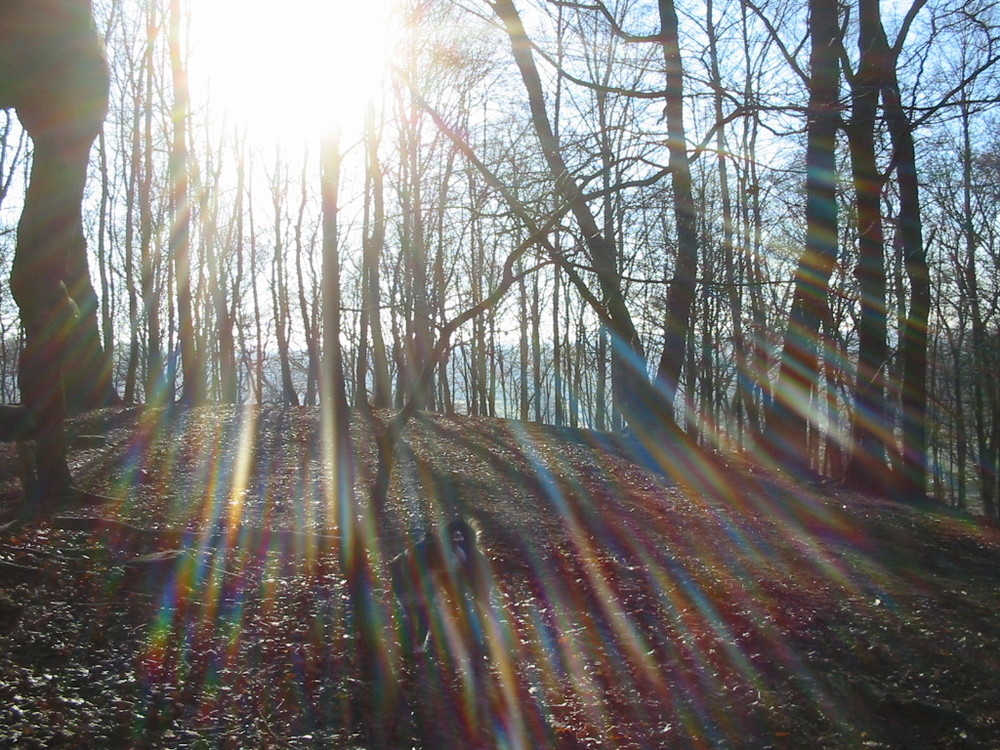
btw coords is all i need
(714, 605)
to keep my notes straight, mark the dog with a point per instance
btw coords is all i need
(451, 566)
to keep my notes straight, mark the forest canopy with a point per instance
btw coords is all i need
(763, 223)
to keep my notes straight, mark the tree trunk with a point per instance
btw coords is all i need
(381, 386)
(155, 385)
(310, 323)
(630, 383)
(522, 360)
(192, 389)
(214, 252)
(681, 292)
(131, 184)
(868, 469)
(279, 289)
(536, 348)
(256, 369)
(333, 389)
(787, 428)
(558, 410)
(418, 335)
(734, 275)
(913, 335)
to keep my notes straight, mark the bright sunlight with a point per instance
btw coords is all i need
(288, 70)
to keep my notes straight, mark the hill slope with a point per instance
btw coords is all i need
(708, 606)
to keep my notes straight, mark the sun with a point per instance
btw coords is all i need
(289, 69)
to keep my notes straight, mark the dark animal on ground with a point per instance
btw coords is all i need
(449, 566)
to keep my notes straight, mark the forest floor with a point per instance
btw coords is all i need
(709, 604)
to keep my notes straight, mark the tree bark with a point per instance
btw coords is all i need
(382, 386)
(418, 333)
(307, 306)
(155, 385)
(279, 289)
(787, 428)
(333, 394)
(630, 382)
(681, 292)
(131, 186)
(868, 467)
(913, 334)
(192, 388)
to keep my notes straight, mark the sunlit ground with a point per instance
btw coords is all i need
(629, 609)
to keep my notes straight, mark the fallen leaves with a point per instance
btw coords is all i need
(630, 612)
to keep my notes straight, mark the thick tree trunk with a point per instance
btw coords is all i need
(792, 409)
(681, 294)
(913, 334)
(87, 375)
(868, 468)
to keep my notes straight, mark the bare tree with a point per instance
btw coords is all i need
(787, 429)
(193, 385)
(371, 294)
(871, 432)
(913, 333)
(681, 295)
(279, 274)
(629, 379)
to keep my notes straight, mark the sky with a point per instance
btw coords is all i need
(289, 69)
